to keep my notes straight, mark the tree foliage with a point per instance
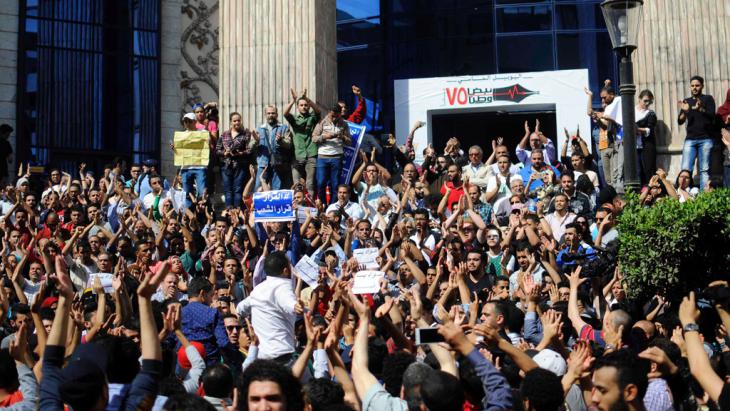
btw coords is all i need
(674, 247)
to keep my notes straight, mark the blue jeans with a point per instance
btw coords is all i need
(279, 176)
(197, 175)
(232, 186)
(701, 149)
(328, 173)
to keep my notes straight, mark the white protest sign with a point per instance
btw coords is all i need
(308, 270)
(367, 257)
(367, 282)
(302, 215)
(106, 281)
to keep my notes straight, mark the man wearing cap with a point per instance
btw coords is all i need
(274, 151)
(192, 172)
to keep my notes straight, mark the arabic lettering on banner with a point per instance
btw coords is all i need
(367, 257)
(106, 281)
(308, 271)
(191, 148)
(349, 154)
(367, 282)
(273, 205)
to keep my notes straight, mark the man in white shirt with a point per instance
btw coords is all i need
(477, 172)
(561, 217)
(498, 186)
(537, 141)
(154, 198)
(349, 208)
(273, 308)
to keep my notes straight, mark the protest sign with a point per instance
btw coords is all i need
(273, 205)
(106, 281)
(308, 270)
(302, 215)
(349, 154)
(191, 148)
(366, 257)
(367, 282)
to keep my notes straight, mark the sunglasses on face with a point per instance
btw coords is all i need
(230, 328)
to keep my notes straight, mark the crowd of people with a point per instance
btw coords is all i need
(501, 288)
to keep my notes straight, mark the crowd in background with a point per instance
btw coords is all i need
(502, 290)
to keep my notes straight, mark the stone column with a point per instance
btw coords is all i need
(679, 39)
(9, 20)
(270, 46)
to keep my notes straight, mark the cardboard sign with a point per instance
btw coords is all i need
(367, 282)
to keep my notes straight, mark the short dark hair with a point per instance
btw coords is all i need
(323, 392)
(275, 263)
(217, 381)
(187, 402)
(442, 391)
(630, 368)
(235, 113)
(336, 107)
(269, 370)
(394, 365)
(698, 78)
(543, 389)
(198, 284)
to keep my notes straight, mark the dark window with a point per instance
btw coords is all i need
(88, 82)
(358, 33)
(579, 16)
(524, 18)
(525, 53)
(591, 50)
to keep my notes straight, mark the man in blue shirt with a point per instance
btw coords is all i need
(534, 174)
(201, 322)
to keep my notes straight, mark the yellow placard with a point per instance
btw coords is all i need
(191, 148)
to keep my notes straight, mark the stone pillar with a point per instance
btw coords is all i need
(171, 93)
(189, 58)
(270, 46)
(9, 20)
(679, 39)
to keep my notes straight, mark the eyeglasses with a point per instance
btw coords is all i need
(515, 202)
(230, 328)
(647, 101)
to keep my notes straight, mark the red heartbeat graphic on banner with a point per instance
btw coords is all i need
(475, 95)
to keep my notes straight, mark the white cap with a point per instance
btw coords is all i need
(189, 116)
(548, 359)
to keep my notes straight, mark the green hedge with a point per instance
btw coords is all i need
(674, 247)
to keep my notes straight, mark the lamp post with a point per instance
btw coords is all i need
(622, 20)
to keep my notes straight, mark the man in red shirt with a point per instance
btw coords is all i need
(453, 185)
(360, 112)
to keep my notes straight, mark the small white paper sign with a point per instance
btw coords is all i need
(302, 215)
(367, 257)
(308, 270)
(106, 281)
(367, 282)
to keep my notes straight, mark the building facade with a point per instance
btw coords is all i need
(97, 79)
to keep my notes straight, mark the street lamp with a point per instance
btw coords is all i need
(622, 20)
